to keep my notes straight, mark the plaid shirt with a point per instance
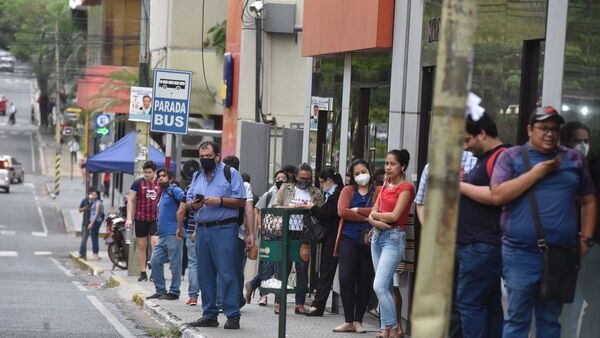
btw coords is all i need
(467, 163)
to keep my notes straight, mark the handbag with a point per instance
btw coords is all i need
(317, 232)
(561, 265)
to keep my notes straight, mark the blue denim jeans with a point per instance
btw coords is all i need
(387, 250)
(522, 271)
(168, 249)
(193, 287)
(85, 233)
(216, 249)
(240, 264)
(266, 269)
(479, 295)
(301, 281)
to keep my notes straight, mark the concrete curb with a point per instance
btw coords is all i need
(61, 219)
(96, 271)
(167, 317)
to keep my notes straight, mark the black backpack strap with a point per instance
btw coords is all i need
(541, 241)
(227, 173)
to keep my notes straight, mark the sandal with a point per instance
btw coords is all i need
(359, 328)
(249, 292)
(263, 301)
(300, 310)
(346, 327)
(277, 308)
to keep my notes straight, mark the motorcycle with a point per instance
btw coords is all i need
(117, 238)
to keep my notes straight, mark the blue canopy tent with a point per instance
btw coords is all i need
(120, 157)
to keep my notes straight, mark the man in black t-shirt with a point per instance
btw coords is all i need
(478, 236)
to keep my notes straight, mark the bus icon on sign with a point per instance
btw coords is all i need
(169, 83)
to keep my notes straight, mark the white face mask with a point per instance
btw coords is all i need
(583, 148)
(362, 179)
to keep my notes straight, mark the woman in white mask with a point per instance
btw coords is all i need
(576, 135)
(352, 246)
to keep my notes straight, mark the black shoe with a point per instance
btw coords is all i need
(232, 323)
(316, 313)
(205, 322)
(143, 277)
(169, 296)
(156, 296)
(149, 266)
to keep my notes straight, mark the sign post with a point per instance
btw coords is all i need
(171, 95)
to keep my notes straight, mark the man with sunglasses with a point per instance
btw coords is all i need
(557, 177)
(214, 198)
(144, 194)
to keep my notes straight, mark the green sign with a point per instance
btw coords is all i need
(103, 131)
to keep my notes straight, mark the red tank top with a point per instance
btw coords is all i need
(389, 197)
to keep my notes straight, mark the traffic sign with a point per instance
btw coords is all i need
(171, 95)
(102, 120)
(102, 131)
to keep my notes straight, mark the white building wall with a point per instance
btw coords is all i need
(176, 43)
(284, 77)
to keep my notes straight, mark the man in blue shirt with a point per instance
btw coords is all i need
(558, 176)
(168, 248)
(214, 198)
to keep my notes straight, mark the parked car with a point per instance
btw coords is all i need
(7, 63)
(14, 167)
(5, 180)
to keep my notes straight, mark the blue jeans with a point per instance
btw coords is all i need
(479, 295)
(266, 269)
(301, 281)
(240, 264)
(216, 249)
(523, 271)
(387, 250)
(168, 249)
(85, 233)
(193, 287)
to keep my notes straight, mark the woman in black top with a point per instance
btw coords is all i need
(331, 184)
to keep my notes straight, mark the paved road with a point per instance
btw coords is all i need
(43, 293)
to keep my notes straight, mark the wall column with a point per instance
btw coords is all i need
(554, 56)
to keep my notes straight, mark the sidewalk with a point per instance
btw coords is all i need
(256, 321)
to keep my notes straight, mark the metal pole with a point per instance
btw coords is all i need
(433, 292)
(284, 273)
(142, 129)
(257, 99)
(57, 114)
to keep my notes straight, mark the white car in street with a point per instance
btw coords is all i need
(14, 168)
(5, 180)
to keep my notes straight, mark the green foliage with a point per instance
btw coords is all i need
(28, 30)
(216, 37)
(169, 331)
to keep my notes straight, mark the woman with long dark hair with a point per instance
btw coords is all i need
(331, 184)
(388, 216)
(352, 247)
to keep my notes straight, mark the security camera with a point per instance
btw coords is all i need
(256, 6)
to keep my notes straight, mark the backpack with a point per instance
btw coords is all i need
(227, 173)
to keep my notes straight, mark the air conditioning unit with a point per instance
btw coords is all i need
(199, 130)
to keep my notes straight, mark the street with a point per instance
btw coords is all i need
(43, 292)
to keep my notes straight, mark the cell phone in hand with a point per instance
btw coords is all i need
(199, 198)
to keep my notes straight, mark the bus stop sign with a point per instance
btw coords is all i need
(171, 94)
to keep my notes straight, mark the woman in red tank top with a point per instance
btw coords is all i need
(388, 216)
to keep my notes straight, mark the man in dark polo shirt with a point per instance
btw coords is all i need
(478, 238)
(214, 198)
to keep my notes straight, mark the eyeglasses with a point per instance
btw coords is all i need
(545, 130)
(210, 157)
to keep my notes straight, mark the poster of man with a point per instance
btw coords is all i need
(140, 104)
(319, 104)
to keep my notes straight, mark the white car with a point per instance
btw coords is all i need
(5, 180)
(14, 167)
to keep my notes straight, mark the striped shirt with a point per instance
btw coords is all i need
(146, 202)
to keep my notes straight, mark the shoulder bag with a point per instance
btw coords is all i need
(561, 265)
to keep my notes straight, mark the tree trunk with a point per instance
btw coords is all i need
(433, 292)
